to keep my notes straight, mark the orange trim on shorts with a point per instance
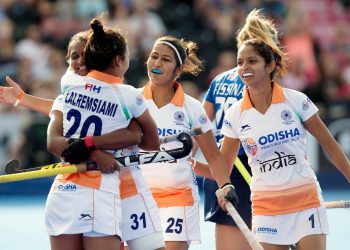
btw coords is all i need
(149, 214)
(90, 179)
(174, 197)
(127, 184)
(185, 223)
(285, 201)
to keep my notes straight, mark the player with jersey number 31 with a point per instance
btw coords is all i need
(271, 123)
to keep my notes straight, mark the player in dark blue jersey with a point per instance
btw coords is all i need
(226, 89)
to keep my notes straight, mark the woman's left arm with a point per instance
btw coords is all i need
(217, 163)
(332, 148)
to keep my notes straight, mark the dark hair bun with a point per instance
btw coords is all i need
(97, 27)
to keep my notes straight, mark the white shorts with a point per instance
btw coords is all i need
(181, 223)
(140, 216)
(75, 209)
(288, 229)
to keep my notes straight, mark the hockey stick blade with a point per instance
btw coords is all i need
(17, 174)
(12, 166)
(192, 132)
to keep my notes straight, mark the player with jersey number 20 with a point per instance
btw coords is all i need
(90, 217)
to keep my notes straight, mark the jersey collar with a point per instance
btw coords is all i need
(277, 97)
(178, 98)
(107, 78)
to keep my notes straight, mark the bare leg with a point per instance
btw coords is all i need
(267, 246)
(102, 243)
(230, 238)
(176, 245)
(312, 242)
(67, 242)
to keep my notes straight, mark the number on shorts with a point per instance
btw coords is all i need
(312, 219)
(76, 115)
(137, 219)
(174, 225)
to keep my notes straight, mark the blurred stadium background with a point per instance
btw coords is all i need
(34, 36)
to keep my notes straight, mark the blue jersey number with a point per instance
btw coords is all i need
(312, 220)
(76, 116)
(224, 103)
(175, 225)
(137, 220)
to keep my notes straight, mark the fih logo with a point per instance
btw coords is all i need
(92, 87)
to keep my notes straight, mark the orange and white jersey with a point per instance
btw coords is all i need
(97, 104)
(174, 184)
(275, 142)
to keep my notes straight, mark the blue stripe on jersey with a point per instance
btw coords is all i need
(226, 89)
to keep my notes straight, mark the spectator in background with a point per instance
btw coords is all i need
(299, 45)
(145, 26)
(32, 49)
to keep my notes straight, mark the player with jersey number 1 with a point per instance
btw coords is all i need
(225, 90)
(271, 123)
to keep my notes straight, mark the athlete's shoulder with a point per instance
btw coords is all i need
(292, 94)
(191, 100)
(70, 79)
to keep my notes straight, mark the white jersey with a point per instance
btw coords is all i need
(275, 142)
(93, 105)
(174, 184)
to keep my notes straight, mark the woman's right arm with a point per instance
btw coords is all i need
(9, 95)
(150, 138)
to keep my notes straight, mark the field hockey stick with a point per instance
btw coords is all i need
(255, 245)
(14, 173)
(337, 204)
(192, 132)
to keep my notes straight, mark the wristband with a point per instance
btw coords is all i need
(89, 142)
(19, 98)
(226, 184)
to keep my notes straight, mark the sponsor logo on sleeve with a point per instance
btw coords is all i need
(139, 100)
(306, 104)
(250, 146)
(203, 119)
(227, 124)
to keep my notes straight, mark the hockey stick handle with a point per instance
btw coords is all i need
(192, 132)
(337, 204)
(255, 245)
(243, 227)
(125, 161)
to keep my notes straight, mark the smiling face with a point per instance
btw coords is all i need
(76, 58)
(252, 67)
(161, 65)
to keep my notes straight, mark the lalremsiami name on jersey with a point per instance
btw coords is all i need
(91, 104)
